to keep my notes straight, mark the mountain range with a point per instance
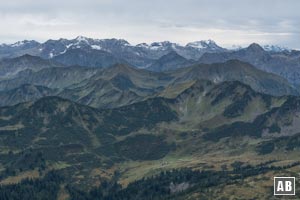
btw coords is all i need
(157, 56)
(121, 84)
(104, 119)
(140, 55)
(285, 64)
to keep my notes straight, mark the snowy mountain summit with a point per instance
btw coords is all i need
(275, 48)
(204, 44)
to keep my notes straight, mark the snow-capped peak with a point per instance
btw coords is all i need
(17, 44)
(82, 39)
(124, 42)
(20, 43)
(157, 45)
(161, 46)
(275, 48)
(203, 44)
(143, 45)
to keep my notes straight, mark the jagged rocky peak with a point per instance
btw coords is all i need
(163, 44)
(143, 45)
(115, 42)
(255, 47)
(203, 44)
(21, 44)
(24, 42)
(275, 48)
(81, 38)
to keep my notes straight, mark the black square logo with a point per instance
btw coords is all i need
(284, 185)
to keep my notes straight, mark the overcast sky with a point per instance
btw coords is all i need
(228, 22)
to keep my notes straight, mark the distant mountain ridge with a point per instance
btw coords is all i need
(139, 55)
(12, 66)
(52, 48)
(285, 64)
(170, 61)
(106, 52)
(121, 85)
(27, 56)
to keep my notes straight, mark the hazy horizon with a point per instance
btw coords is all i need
(232, 46)
(228, 22)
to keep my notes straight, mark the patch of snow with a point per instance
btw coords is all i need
(126, 44)
(174, 46)
(69, 45)
(64, 51)
(203, 44)
(17, 44)
(217, 79)
(154, 47)
(20, 43)
(143, 45)
(97, 47)
(82, 39)
(196, 45)
(275, 48)
(51, 55)
(158, 45)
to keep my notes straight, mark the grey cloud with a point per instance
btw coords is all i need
(227, 21)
